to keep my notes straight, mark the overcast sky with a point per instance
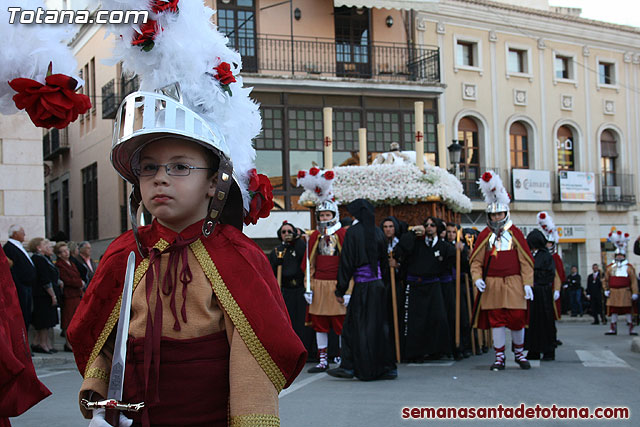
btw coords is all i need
(626, 12)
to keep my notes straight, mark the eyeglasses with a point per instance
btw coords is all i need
(287, 232)
(172, 169)
(429, 224)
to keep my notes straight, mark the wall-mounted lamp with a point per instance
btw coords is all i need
(389, 21)
(297, 14)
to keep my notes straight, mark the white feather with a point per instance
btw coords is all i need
(27, 50)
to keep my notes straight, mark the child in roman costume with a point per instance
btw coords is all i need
(210, 342)
(620, 284)
(502, 271)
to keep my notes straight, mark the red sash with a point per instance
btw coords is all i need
(616, 282)
(193, 383)
(327, 267)
(505, 264)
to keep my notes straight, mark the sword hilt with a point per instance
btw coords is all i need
(112, 404)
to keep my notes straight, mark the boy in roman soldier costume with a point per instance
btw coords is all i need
(620, 284)
(210, 341)
(502, 271)
(325, 245)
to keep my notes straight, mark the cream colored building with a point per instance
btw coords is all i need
(21, 176)
(524, 88)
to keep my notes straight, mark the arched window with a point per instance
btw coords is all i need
(565, 145)
(470, 158)
(519, 142)
(608, 156)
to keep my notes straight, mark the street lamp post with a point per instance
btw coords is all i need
(455, 151)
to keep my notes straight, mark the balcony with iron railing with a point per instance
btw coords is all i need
(114, 91)
(55, 142)
(321, 57)
(615, 188)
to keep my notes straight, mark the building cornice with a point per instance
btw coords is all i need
(491, 16)
(340, 86)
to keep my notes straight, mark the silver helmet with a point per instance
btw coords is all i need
(333, 225)
(497, 226)
(144, 117)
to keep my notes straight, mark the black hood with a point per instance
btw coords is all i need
(363, 211)
(399, 226)
(536, 240)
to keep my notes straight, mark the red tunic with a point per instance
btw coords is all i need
(251, 296)
(20, 388)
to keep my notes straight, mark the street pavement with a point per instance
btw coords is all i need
(590, 370)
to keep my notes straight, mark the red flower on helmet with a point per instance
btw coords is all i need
(486, 177)
(314, 171)
(224, 76)
(261, 192)
(301, 174)
(619, 233)
(626, 235)
(329, 175)
(543, 215)
(159, 6)
(146, 36)
(53, 104)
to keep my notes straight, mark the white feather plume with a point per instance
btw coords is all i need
(320, 184)
(545, 221)
(27, 50)
(186, 50)
(619, 239)
(492, 188)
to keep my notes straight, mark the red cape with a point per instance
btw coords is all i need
(521, 243)
(20, 388)
(313, 244)
(480, 319)
(242, 280)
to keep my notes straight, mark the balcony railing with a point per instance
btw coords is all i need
(615, 188)
(54, 143)
(112, 94)
(326, 57)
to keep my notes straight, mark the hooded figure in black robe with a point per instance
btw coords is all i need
(367, 351)
(424, 331)
(540, 337)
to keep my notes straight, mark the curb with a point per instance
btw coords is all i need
(568, 319)
(635, 345)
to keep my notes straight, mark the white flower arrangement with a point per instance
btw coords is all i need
(395, 185)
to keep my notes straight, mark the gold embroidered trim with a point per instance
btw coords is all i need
(255, 420)
(115, 313)
(98, 373)
(238, 318)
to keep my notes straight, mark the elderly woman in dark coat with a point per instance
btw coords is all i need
(45, 302)
(73, 284)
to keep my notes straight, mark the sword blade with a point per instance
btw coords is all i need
(116, 380)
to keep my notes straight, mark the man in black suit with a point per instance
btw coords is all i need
(22, 270)
(594, 294)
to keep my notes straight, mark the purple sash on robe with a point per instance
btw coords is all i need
(364, 273)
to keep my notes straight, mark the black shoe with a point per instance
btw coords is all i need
(633, 333)
(67, 348)
(391, 374)
(53, 350)
(524, 364)
(318, 368)
(485, 349)
(533, 356)
(611, 333)
(466, 354)
(558, 342)
(39, 349)
(340, 373)
(548, 357)
(497, 367)
(457, 356)
(595, 322)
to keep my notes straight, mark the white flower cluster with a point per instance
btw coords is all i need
(395, 185)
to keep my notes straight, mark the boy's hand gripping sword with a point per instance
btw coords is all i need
(113, 404)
